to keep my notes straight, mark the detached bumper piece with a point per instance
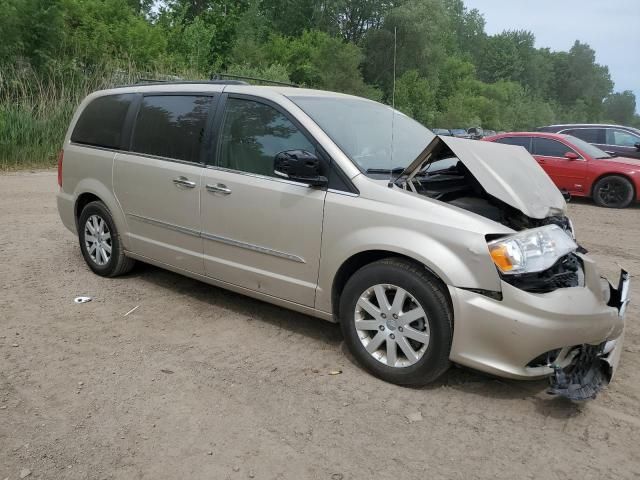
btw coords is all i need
(594, 365)
(587, 374)
(619, 297)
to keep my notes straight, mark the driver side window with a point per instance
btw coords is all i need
(253, 133)
(621, 138)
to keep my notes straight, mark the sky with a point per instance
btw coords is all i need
(610, 27)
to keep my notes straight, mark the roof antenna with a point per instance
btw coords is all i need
(393, 104)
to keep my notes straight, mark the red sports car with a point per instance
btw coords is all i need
(580, 168)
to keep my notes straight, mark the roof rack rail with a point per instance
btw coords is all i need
(152, 81)
(219, 77)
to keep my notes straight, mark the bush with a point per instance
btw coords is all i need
(36, 107)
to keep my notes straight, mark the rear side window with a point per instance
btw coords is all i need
(546, 147)
(101, 122)
(589, 135)
(171, 126)
(519, 141)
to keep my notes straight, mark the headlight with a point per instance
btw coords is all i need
(532, 250)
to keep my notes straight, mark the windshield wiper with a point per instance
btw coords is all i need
(385, 170)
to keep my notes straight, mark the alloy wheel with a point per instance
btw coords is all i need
(392, 325)
(97, 240)
(613, 192)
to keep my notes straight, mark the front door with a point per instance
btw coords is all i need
(567, 174)
(259, 231)
(623, 143)
(158, 183)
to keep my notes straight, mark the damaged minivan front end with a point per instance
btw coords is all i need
(554, 315)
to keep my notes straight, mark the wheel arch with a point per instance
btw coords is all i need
(92, 190)
(359, 260)
(82, 201)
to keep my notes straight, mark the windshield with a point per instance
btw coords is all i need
(587, 148)
(362, 130)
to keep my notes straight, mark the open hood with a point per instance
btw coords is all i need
(508, 173)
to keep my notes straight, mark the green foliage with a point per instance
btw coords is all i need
(274, 72)
(449, 72)
(416, 97)
(423, 36)
(620, 107)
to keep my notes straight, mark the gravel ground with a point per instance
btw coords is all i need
(199, 382)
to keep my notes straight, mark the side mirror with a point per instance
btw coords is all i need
(571, 156)
(300, 166)
(637, 145)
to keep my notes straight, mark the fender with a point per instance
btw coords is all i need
(450, 262)
(105, 194)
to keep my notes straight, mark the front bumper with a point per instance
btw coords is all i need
(504, 337)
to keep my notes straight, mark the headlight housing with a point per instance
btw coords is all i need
(531, 250)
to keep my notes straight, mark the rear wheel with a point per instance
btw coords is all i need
(100, 242)
(397, 322)
(613, 192)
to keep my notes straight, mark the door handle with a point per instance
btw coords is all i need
(218, 188)
(184, 182)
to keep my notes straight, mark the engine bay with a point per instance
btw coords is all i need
(446, 179)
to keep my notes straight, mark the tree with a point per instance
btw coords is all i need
(290, 17)
(579, 81)
(620, 107)
(31, 29)
(316, 59)
(501, 59)
(416, 97)
(423, 39)
(468, 26)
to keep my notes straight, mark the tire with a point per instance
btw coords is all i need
(613, 192)
(95, 216)
(431, 351)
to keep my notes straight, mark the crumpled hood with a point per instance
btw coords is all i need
(509, 173)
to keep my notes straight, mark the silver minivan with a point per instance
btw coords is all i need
(427, 250)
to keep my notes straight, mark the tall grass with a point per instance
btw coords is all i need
(36, 107)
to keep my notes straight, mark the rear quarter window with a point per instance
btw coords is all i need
(101, 122)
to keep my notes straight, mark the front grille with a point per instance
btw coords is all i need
(565, 273)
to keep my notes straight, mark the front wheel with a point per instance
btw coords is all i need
(397, 322)
(613, 192)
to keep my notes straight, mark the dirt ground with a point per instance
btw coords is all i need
(202, 383)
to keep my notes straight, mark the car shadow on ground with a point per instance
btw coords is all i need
(240, 304)
(591, 203)
(457, 378)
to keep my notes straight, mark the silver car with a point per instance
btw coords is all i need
(427, 250)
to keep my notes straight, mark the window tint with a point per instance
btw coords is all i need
(549, 148)
(519, 141)
(590, 135)
(171, 126)
(621, 138)
(102, 121)
(253, 133)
